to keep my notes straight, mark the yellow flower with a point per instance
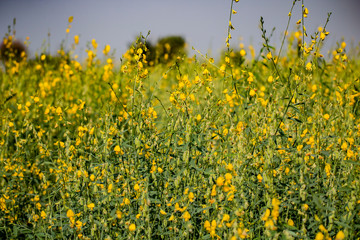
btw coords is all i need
(327, 169)
(270, 79)
(340, 235)
(220, 181)
(269, 224)
(260, 178)
(71, 18)
(229, 167)
(92, 177)
(118, 150)
(275, 202)
(186, 216)
(322, 228)
(266, 215)
(252, 93)
(36, 217)
(182, 96)
(269, 55)
(308, 66)
(126, 201)
(228, 177)
(207, 225)
(319, 236)
(306, 12)
(326, 116)
(349, 153)
(198, 117)
(79, 225)
(118, 214)
(162, 212)
(136, 187)
(132, 227)
(70, 213)
(76, 39)
(106, 49)
(58, 111)
(94, 43)
(110, 187)
(305, 207)
(227, 59)
(91, 206)
(43, 214)
(290, 222)
(191, 197)
(226, 217)
(213, 191)
(213, 224)
(322, 36)
(344, 146)
(343, 45)
(242, 52)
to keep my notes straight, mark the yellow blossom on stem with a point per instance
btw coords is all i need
(266, 215)
(70, 213)
(269, 55)
(186, 216)
(340, 235)
(118, 150)
(132, 227)
(106, 49)
(91, 206)
(319, 236)
(76, 39)
(290, 222)
(308, 66)
(220, 181)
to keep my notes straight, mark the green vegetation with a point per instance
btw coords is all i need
(256, 146)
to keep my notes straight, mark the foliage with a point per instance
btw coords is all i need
(168, 48)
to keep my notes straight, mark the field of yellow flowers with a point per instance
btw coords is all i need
(253, 146)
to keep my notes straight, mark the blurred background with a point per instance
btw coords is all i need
(203, 23)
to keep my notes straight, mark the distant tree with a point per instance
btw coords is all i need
(168, 48)
(165, 50)
(12, 50)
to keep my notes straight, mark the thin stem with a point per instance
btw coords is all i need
(287, 27)
(303, 33)
(229, 27)
(267, 46)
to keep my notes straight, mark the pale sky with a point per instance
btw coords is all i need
(203, 23)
